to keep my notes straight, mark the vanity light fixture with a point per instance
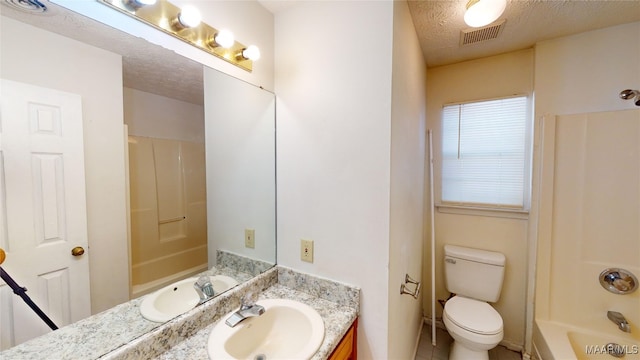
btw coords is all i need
(224, 38)
(186, 24)
(483, 12)
(250, 53)
(188, 17)
(136, 4)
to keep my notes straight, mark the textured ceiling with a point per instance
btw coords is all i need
(439, 23)
(154, 69)
(146, 67)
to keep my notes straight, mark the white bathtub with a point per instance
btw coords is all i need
(558, 341)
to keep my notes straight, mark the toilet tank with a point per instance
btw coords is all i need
(474, 273)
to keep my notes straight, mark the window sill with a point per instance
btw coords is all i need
(479, 211)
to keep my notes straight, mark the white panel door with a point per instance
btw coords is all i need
(42, 209)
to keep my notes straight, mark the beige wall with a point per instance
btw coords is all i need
(333, 150)
(491, 77)
(407, 183)
(241, 161)
(156, 116)
(60, 63)
(575, 75)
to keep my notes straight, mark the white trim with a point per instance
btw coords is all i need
(439, 323)
(417, 343)
(532, 240)
(479, 211)
(512, 346)
(527, 95)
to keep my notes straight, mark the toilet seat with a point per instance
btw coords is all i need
(473, 315)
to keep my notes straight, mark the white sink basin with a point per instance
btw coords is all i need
(179, 297)
(288, 329)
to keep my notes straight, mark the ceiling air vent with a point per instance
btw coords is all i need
(476, 35)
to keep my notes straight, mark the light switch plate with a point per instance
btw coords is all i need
(306, 250)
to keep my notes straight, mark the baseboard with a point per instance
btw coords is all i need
(506, 343)
(417, 344)
(439, 323)
(535, 353)
(513, 346)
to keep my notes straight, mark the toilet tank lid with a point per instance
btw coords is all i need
(482, 256)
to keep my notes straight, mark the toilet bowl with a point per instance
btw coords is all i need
(476, 277)
(475, 327)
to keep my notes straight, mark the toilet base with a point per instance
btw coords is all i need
(459, 352)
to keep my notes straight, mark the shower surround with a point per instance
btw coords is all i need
(168, 211)
(589, 221)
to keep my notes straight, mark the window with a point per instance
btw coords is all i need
(486, 155)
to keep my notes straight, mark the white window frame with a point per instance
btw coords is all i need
(491, 209)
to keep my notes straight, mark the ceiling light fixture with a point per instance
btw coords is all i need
(483, 12)
(172, 20)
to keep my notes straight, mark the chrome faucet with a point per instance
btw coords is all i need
(247, 309)
(619, 320)
(204, 288)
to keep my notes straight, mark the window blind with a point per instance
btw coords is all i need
(484, 155)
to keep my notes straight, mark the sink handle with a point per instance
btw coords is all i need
(247, 300)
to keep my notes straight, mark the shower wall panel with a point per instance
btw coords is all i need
(168, 209)
(594, 214)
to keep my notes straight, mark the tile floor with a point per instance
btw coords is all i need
(426, 351)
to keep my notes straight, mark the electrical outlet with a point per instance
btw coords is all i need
(250, 238)
(306, 250)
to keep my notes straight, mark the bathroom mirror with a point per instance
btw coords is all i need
(236, 200)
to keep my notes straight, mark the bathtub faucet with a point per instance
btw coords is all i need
(619, 320)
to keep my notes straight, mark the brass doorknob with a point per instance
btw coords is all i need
(77, 251)
(2, 256)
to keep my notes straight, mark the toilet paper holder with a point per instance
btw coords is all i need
(416, 290)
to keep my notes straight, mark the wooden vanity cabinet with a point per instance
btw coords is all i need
(347, 348)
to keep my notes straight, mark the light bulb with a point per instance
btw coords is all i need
(224, 38)
(145, 2)
(189, 16)
(251, 52)
(483, 12)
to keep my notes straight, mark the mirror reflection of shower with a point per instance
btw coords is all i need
(629, 94)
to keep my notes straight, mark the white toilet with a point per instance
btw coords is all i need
(475, 276)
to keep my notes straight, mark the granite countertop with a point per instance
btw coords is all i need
(96, 335)
(109, 335)
(337, 320)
